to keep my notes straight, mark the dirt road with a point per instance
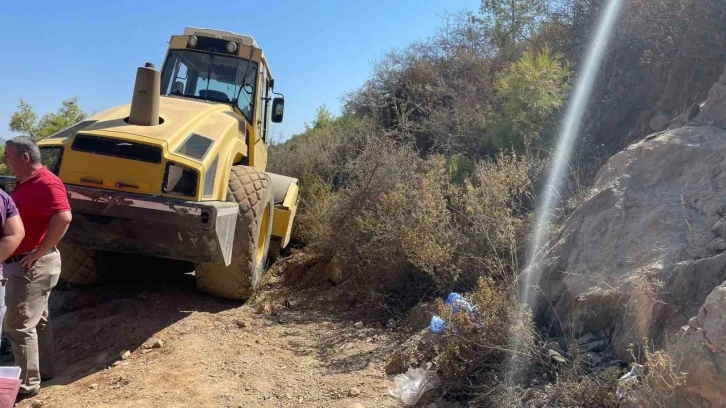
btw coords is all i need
(213, 353)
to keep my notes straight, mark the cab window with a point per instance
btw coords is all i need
(211, 77)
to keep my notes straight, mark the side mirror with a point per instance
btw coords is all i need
(278, 107)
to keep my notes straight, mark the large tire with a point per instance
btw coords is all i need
(130, 267)
(252, 190)
(80, 265)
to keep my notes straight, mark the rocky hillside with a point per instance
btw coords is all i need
(644, 255)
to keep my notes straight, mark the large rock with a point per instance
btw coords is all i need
(636, 258)
(699, 349)
(686, 117)
(644, 250)
(659, 122)
(712, 112)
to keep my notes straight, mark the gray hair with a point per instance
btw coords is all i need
(24, 144)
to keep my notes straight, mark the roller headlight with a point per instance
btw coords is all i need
(180, 179)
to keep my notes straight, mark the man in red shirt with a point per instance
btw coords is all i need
(34, 268)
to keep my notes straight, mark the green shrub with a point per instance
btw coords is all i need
(533, 89)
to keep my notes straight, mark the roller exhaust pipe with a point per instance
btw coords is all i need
(145, 101)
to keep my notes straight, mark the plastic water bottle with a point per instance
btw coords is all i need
(437, 325)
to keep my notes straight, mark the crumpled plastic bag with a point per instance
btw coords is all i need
(457, 303)
(635, 374)
(408, 388)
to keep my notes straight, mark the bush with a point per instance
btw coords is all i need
(316, 201)
(490, 213)
(390, 226)
(318, 158)
(477, 353)
(436, 94)
(587, 391)
(401, 225)
(405, 222)
(659, 380)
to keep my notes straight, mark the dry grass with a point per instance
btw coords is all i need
(490, 212)
(659, 381)
(479, 351)
(595, 390)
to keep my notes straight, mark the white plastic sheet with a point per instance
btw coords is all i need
(408, 388)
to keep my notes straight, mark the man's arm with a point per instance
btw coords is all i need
(57, 227)
(13, 233)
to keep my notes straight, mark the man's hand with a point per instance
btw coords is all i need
(29, 259)
(57, 227)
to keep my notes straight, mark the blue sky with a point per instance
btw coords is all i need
(54, 50)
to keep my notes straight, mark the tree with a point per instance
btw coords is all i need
(533, 89)
(25, 120)
(512, 21)
(3, 168)
(323, 119)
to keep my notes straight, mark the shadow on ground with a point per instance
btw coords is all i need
(93, 325)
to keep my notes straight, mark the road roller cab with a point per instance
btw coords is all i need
(179, 173)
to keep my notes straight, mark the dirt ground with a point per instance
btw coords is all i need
(213, 353)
